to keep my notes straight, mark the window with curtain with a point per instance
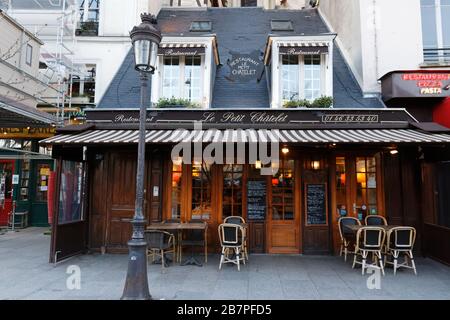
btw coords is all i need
(312, 75)
(290, 77)
(182, 78)
(177, 174)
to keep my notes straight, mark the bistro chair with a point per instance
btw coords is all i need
(400, 240)
(347, 236)
(230, 236)
(159, 243)
(241, 222)
(369, 240)
(375, 220)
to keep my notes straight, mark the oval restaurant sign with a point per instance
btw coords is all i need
(245, 67)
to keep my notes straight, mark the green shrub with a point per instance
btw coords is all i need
(322, 102)
(176, 102)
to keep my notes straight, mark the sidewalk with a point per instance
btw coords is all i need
(26, 274)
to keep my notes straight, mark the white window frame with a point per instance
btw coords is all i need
(301, 76)
(29, 55)
(207, 70)
(182, 77)
(439, 28)
(326, 67)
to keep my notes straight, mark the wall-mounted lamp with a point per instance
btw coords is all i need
(285, 150)
(315, 165)
(393, 151)
(258, 164)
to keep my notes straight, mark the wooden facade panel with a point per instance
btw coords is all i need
(283, 236)
(437, 242)
(316, 240)
(97, 204)
(123, 170)
(256, 237)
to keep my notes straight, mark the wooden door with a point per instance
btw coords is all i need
(283, 221)
(6, 190)
(357, 190)
(121, 198)
(315, 221)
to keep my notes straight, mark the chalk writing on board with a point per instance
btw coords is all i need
(256, 199)
(316, 204)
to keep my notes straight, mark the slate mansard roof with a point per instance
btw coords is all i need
(241, 30)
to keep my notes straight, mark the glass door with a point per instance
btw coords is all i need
(283, 220)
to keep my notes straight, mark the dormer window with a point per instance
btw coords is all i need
(182, 78)
(186, 70)
(301, 68)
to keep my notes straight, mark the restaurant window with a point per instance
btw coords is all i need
(232, 190)
(283, 191)
(182, 78)
(301, 77)
(366, 186)
(341, 193)
(436, 30)
(177, 173)
(201, 191)
(71, 192)
(290, 77)
(43, 173)
(312, 77)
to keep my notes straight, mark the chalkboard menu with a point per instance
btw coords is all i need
(316, 204)
(256, 199)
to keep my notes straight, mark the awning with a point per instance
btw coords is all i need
(303, 48)
(251, 136)
(15, 114)
(181, 49)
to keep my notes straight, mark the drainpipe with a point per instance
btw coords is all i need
(375, 38)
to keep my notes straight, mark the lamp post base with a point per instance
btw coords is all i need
(136, 284)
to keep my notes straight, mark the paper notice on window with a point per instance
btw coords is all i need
(45, 171)
(44, 188)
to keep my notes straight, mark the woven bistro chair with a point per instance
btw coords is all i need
(347, 237)
(400, 240)
(230, 236)
(159, 243)
(375, 220)
(241, 222)
(369, 240)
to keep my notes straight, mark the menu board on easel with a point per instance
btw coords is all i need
(256, 199)
(316, 203)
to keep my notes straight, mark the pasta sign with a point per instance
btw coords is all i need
(244, 67)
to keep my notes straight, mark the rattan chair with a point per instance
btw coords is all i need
(400, 240)
(230, 236)
(375, 220)
(369, 240)
(241, 222)
(159, 243)
(347, 237)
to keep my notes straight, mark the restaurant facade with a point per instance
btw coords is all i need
(262, 120)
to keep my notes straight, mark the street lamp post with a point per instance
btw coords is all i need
(145, 38)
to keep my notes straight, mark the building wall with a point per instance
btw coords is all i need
(376, 36)
(18, 80)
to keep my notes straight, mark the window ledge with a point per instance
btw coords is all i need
(434, 64)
